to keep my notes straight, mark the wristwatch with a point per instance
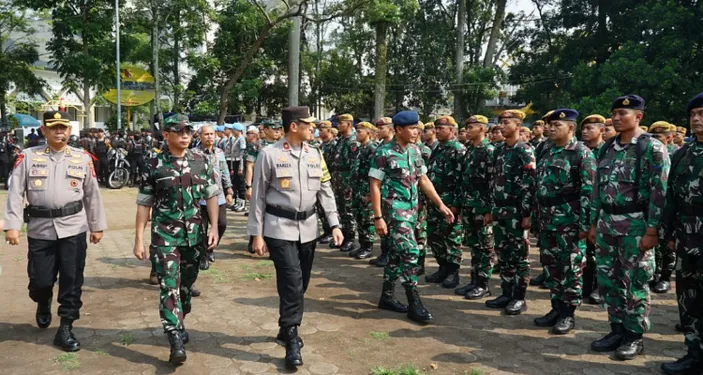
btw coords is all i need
(377, 218)
(335, 227)
(248, 186)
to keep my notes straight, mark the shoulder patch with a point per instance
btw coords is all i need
(19, 159)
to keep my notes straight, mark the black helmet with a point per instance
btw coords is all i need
(73, 138)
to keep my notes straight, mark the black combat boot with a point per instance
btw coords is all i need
(178, 351)
(664, 283)
(595, 298)
(43, 314)
(326, 238)
(480, 290)
(566, 321)
(438, 276)
(462, 291)
(452, 279)
(551, 318)
(356, 251)
(388, 300)
(194, 292)
(204, 262)
(185, 337)
(365, 253)
(517, 305)
(690, 364)
(612, 340)
(293, 356)
(631, 346)
(539, 279)
(65, 339)
(421, 265)
(382, 260)
(503, 299)
(347, 246)
(281, 338)
(416, 311)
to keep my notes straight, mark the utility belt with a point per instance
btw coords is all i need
(52, 213)
(558, 200)
(290, 214)
(629, 208)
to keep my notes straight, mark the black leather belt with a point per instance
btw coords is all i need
(630, 208)
(558, 200)
(288, 214)
(51, 213)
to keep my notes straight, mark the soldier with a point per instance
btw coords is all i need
(546, 144)
(475, 203)
(396, 172)
(289, 178)
(683, 224)
(421, 227)
(564, 185)
(671, 146)
(592, 130)
(609, 131)
(537, 133)
(429, 135)
(680, 136)
(627, 206)
(497, 135)
(462, 135)
(444, 171)
(174, 183)
(272, 133)
(386, 134)
(236, 167)
(100, 149)
(525, 134)
(346, 151)
(64, 202)
(361, 202)
(644, 128)
(327, 145)
(512, 193)
(220, 136)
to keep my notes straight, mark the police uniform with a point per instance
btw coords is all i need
(64, 202)
(288, 181)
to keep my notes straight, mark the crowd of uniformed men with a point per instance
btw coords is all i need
(614, 213)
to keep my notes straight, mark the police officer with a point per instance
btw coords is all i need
(173, 185)
(100, 149)
(64, 202)
(236, 167)
(289, 177)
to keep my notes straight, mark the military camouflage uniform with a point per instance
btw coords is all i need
(665, 257)
(564, 187)
(327, 151)
(345, 153)
(173, 188)
(476, 172)
(252, 150)
(361, 203)
(589, 273)
(622, 213)
(683, 222)
(399, 170)
(421, 227)
(512, 193)
(444, 170)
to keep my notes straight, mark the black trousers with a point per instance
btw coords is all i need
(103, 168)
(64, 257)
(221, 224)
(4, 171)
(293, 261)
(238, 183)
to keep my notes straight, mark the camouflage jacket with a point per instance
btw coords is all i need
(615, 188)
(444, 170)
(671, 148)
(360, 168)
(683, 212)
(513, 184)
(564, 186)
(173, 188)
(253, 148)
(346, 150)
(596, 150)
(399, 170)
(536, 141)
(328, 149)
(476, 172)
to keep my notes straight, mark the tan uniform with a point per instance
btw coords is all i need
(52, 180)
(291, 180)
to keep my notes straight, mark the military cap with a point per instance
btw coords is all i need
(546, 116)
(297, 114)
(366, 125)
(659, 127)
(406, 118)
(608, 122)
(420, 125)
(628, 102)
(271, 124)
(253, 129)
(52, 118)
(429, 125)
(384, 121)
(672, 128)
(324, 124)
(345, 117)
(564, 114)
(444, 121)
(593, 119)
(696, 102)
(334, 131)
(525, 129)
(644, 128)
(476, 119)
(145, 129)
(538, 123)
(176, 123)
(512, 113)
(681, 129)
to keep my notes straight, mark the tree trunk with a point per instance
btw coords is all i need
(495, 30)
(155, 60)
(381, 67)
(4, 122)
(176, 59)
(318, 64)
(88, 119)
(459, 60)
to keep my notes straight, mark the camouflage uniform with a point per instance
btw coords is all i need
(326, 149)
(421, 227)
(564, 186)
(622, 213)
(252, 151)
(664, 257)
(361, 204)
(590, 283)
(345, 153)
(512, 193)
(173, 188)
(444, 170)
(476, 172)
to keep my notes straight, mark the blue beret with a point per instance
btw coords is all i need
(564, 114)
(229, 126)
(696, 102)
(629, 102)
(317, 133)
(237, 126)
(219, 128)
(405, 118)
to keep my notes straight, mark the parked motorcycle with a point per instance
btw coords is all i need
(119, 168)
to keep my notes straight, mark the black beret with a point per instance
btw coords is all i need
(696, 102)
(629, 102)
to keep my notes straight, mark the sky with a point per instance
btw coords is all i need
(518, 5)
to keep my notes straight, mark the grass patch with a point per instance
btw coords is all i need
(245, 267)
(112, 266)
(101, 352)
(256, 276)
(126, 338)
(473, 371)
(380, 336)
(408, 369)
(264, 264)
(68, 361)
(217, 275)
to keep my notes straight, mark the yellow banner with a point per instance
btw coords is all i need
(137, 87)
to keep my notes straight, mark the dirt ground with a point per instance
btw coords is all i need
(233, 323)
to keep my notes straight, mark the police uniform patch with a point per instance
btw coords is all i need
(39, 160)
(92, 169)
(34, 172)
(38, 182)
(42, 172)
(285, 183)
(74, 183)
(20, 157)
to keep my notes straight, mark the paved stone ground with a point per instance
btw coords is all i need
(234, 322)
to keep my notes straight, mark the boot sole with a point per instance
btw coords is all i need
(627, 358)
(604, 350)
(420, 320)
(67, 349)
(293, 365)
(177, 359)
(388, 308)
(513, 313)
(562, 332)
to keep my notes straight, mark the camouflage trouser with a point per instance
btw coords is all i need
(563, 258)
(177, 269)
(421, 227)
(623, 275)
(689, 288)
(402, 252)
(363, 213)
(478, 237)
(512, 248)
(665, 259)
(444, 239)
(344, 208)
(589, 272)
